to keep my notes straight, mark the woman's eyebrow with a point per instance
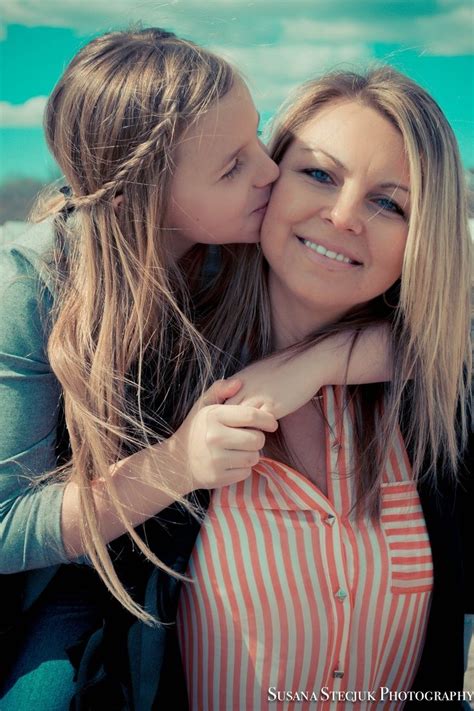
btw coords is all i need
(395, 186)
(316, 149)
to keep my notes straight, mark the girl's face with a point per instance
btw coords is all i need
(335, 230)
(221, 185)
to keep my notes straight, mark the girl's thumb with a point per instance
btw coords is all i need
(220, 391)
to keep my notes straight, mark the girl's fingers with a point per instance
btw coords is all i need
(247, 440)
(245, 416)
(234, 459)
(234, 475)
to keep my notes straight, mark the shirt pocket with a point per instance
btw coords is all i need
(403, 523)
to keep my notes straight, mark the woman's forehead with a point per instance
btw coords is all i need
(350, 133)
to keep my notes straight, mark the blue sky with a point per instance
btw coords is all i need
(277, 43)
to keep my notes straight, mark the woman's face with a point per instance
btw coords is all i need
(335, 229)
(223, 176)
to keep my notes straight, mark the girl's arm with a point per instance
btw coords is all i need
(39, 524)
(30, 535)
(282, 384)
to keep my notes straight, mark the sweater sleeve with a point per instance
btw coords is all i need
(30, 512)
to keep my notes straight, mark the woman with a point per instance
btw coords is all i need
(98, 321)
(367, 223)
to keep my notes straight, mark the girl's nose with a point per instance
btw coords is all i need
(268, 170)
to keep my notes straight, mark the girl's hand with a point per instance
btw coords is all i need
(280, 384)
(216, 445)
(222, 443)
(283, 383)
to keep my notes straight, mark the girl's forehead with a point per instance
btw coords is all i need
(224, 129)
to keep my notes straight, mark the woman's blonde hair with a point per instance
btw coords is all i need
(428, 308)
(112, 123)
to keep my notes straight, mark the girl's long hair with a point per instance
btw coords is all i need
(122, 305)
(428, 309)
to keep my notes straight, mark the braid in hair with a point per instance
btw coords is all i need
(161, 134)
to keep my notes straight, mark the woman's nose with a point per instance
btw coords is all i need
(344, 213)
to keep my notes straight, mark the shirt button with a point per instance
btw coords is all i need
(341, 594)
(330, 520)
(338, 673)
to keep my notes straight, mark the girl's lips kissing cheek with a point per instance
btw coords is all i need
(260, 210)
(331, 258)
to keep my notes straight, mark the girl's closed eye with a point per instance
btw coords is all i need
(234, 170)
(321, 176)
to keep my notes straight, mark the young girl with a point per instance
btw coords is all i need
(157, 139)
(337, 571)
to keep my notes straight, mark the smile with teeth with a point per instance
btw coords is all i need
(326, 252)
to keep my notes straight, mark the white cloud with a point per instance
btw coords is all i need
(436, 27)
(274, 70)
(95, 15)
(448, 34)
(341, 31)
(444, 33)
(27, 115)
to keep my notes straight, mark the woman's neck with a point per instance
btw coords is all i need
(293, 320)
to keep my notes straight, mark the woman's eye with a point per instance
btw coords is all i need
(386, 204)
(319, 175)
(234, 170)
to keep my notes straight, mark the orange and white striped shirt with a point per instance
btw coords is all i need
(292, 595)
